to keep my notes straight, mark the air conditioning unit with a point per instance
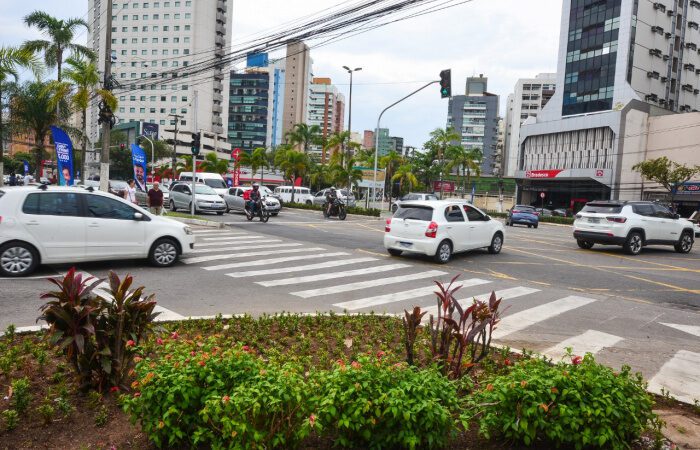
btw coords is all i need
(696, 91)
(666, 57)
(654, 75)
(693, 25)
(691, 46)
(687, 87)
(668, 35)
(657, 29)
(659, 6)
(655, 52)
(690, 67)
(669, 13)
(664, 79)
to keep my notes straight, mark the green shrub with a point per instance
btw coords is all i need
(581, 405)
(21, 395)
(371, 403)
(11, 419)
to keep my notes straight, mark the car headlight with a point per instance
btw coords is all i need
(187, 230)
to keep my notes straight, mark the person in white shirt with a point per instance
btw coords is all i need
(26, 180)
(130, 193)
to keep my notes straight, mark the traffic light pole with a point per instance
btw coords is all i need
(376, 137)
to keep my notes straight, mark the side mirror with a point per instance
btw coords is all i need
(487, 217)
(138, 216)
(676, 216)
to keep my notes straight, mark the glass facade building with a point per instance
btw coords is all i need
(248, 110)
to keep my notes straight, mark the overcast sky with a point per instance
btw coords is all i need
(503, 39)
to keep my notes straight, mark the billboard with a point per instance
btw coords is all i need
(447, 186)
(150, 130)
(138, 159)
(368, 177)
(64, 156)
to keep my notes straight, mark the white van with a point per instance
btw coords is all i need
(301, 194)
(213, 180)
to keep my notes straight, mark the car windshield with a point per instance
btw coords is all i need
(602, 209)
(215, 183)
(525, 207)
(265, 190)
(204, 190)
(424, 213)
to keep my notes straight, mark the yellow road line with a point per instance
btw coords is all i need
(615, 255)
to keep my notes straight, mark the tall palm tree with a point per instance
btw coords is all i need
(303, 136)
(10, 59)
(80, 87)
(256, 159)
(439, 141)
(390, 162)
(32, 113)
(468, 160)
(60, 34)
(212, 163)
(405, 176)
(184, 164)
(319, 175)
(294, 164)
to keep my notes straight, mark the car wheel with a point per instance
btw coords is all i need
(17, 259)
(221, 213)
(443, 253)
(634, 243)
(529, 226)
(172, 206)
(536, 225)
(394, 252)
(308, 202)
(163, 253)
(586, 245)
(685, 244)
(496, 244)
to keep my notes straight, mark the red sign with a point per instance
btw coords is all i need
(447, 186)
(236, 177)
(541, 194)
(542, 173)
(599, 173)
(236, 154)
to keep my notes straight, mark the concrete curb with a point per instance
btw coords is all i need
(200, 222)
(359, 216)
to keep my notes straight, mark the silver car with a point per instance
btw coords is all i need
(119, 187)
(411, 196)
(235, 202)
(343, 195)
(207, 200)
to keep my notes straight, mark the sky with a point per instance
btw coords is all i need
(502, 39)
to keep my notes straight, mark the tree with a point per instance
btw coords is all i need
(10, 59)
(468, 160)
(213, 164)
(60, 34)
(440, 141)
(390, 162)
(184, 164)
(319, 175)
(255, 160)
(293, 163)
(405, 176)
(303, 136)
(667, 173)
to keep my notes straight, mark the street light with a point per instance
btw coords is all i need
(153, 160)
(350, 71)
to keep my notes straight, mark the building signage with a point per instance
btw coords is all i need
(150, 130)
(447, 186)
(688, 188)
(542, 173)
(600, 173)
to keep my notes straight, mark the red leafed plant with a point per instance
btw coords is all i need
(460, 333)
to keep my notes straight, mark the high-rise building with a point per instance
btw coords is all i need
(528, 98)
(620, 62)
(298, 76)
(474, 117)
(397, 144)
(249, 113)
(154, 44)
(385, 143)
(276, 110)
(368, 139)
(325, 109)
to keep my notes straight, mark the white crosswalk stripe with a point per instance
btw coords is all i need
(267, 244)
(199, 259)
(366, 284)
(505, 294)
(210, 231)
(399, 296)
(323, 265)
(232, 241)
(591, 341)
(524, 319)
(680, 376)
(265, 262)
(225, 238)
(690, 329)
(330, 276)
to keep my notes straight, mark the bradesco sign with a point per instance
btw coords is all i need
(563, 173)
(542, 173)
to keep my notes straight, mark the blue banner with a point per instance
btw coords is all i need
(64, 156)
(138, 159)
(26, 166)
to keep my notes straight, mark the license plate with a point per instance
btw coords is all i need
(594, 220)
(405, 244)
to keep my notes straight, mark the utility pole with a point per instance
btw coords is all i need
(350, 71)
(194, 160)
(106, 124)
(177, 121)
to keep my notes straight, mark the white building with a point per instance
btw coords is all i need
(326, 108)
(528, 97)
(298, 75)
(159, 49)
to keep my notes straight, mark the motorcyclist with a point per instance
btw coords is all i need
(331, 197)
(254, 198)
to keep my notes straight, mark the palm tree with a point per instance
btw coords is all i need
(293, 163)
(390, 162)
(10, 59)
(60, 34)
(319, 174)
(468, 160)
(213, 164)
(404, 175)
(255, 160)
(32, 113)
(303, 136)
(79, 89)
(184, 164)
(439, 141)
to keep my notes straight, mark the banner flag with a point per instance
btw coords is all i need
(138, 159)
(64, 156)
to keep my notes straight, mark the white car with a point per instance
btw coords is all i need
(632, 225)
(57, 225)
(213, 180)
(301, 194)
(441, 228)
(412, 197)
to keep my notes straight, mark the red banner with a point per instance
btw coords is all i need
(447, 186)
(542, 173)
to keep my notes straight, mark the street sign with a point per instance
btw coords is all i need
(541, 194)
(236, 154)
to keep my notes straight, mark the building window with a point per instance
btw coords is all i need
(135, 5)
(134, 40)
(175, 64)
(135, 17)
(165, 52)
(187, 28)
(173, 110)
(125, 6)
(188, 16)
(184, 87)
(173, 98)
(125, 17)
(144, 40)
(122, 98)
(152, 98)
(183, 111)
(165, 40)
(164, 64)
(134, 52)
(124, 29)
(188, 3)
(135, 29)
(156, 16)
(145, 5)
(186, 40)
(177, 4)
(186, 51)
(114, 41)
(176, 15)
(155, 28)
(156, 4)
(132, 110)
(166, 5)
(176, 51)
(183, 122)
(144, 52)
(154, 40)
(166, 16)
(142, 110)
(145, 17)
(162, 122)
(154, 52)
(184, 99)
(121, 109)
(166, 28)
(176, 27)
(143, 97)
(162, 98)
(176, 40)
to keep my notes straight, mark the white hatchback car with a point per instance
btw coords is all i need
(52, 225)
(441, 228)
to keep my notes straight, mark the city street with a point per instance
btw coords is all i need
(642, 311)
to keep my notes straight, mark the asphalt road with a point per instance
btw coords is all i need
(642, 311)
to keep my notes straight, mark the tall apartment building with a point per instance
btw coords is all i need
(620, 62)
(154, 43)
(385, 143)
(528, 98)
(298, 74)
(397, 144)
(326, 108)
(368, 139)
(275, 135)
(249, 111)
(474, 117)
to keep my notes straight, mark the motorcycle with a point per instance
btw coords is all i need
(337, 209)
(260, 211)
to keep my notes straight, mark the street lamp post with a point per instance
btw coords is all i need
(350, 71)
(153, 158)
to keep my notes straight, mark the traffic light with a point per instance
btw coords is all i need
(122, 146)
(138, 141)
(196, 143)
(446, 83)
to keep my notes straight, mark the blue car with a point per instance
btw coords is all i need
(523, 215)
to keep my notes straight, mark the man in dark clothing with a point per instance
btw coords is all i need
(254, 198)
(155, 199)
(331, 197)
(13, 179)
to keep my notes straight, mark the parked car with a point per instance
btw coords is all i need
(64, 225)
(118, 188)
(343, 195)
(410, 197)
(561, 212)
(207, 200)
(524, 215)
(633, 225)
(544, 212)
(213, 180)
(301, 194)
(234, 200)
(441, 228)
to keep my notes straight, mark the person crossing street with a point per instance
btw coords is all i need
(155, 199)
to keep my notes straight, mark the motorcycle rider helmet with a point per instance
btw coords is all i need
(256, 185)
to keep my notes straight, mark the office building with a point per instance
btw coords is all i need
(298, 74)
(368, 139)
(276, 109)
(385, 142)
(621, 64)
(397, 144)
(153, 45)
(474, 116)
(249, 109)
(326, 108)
(528, 98)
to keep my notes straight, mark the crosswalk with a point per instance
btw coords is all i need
(323, 279)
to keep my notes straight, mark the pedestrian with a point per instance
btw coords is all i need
(130, 192)
(26, 180)
(13, 179)
(155, 199)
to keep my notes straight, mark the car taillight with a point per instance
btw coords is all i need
(387, 227)
(536, 213)
(515, 211)
(431, 232)
(616, 219)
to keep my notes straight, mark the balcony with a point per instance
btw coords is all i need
(219, 52)
(217, 108)
(221, 5)
(218, 129)
(220, 17)
(219, 40)
(218, 98)
(218, 85)
(220, 29)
